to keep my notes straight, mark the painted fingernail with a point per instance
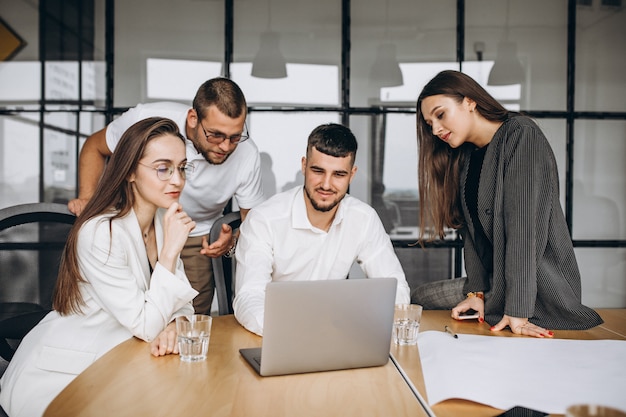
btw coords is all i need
(493, 328)
(550, 333)
(481, 320)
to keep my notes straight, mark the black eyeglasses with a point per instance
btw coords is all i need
(165, 170)
(217, 138)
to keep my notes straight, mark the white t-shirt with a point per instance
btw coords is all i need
(209, 187)
(278, 243)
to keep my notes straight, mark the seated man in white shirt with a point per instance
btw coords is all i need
(313, 232)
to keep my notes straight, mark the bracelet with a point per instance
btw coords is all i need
(231, 251)
(476, 294)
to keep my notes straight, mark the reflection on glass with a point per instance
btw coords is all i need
(21, 82)
(59, 153)
(533, 35)
(599, 180)
(189, 75)
(19, 168)
(602, 273)
(281, 139)
(419, 74)
(600, 58)
(306, 84)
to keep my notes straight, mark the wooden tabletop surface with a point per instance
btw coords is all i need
(128, 381)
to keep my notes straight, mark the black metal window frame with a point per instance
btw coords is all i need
(344, 109)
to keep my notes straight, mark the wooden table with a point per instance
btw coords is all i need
(128, 381)
(614, 327)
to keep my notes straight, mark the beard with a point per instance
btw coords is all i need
(213, 161)
(207, 154)
(323, 208)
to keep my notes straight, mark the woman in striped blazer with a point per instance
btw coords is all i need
(491, 174)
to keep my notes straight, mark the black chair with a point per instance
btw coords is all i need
(223, 267)
(28, 280)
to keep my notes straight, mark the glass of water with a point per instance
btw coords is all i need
(194, 332)
(406, 323)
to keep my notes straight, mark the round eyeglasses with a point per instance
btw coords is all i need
(217, 138)
(165, 170)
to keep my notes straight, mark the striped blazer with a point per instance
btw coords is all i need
(534, 270)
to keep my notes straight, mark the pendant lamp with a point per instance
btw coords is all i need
(385, 71)
(269, 61)
(507, 69)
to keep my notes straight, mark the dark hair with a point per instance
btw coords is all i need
(114, 194)
(222, 93)
(333, 139)
(439, 165)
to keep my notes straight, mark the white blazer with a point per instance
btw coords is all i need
(122, 300)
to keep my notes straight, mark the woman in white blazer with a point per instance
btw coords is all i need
(120, 274)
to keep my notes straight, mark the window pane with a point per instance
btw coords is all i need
(509, 31)
(59, 156)
(600, 58)
(288, 53)
(599, 180)
(282, 149)
(19, 159)
(406, 32)
(555, 132)
(602, 273)
(62, 81)
(163, 29)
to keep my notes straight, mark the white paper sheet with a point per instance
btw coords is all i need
(543, 374)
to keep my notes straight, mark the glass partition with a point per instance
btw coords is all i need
(187, 34)
(600, 58)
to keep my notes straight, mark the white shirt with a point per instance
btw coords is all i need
(209, 187)
(278, 243)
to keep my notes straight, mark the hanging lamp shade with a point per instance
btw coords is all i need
(507, 69)
(269, 62)
(385, 71)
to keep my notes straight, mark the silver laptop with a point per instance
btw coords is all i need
(312, 326)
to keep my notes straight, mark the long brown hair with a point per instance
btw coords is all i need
(439, 165)
(114, 194)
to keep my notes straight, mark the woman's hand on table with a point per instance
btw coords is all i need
(166, 342)
(471, 303)
(522, 326)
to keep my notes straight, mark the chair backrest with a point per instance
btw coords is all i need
(32, 238)
(223, 267)
(35, 212)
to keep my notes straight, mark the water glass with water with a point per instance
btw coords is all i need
(194, 332)
(406, 323)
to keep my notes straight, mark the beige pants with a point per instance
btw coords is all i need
(200, 274)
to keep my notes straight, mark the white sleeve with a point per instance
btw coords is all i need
(250, 192)
(117, 127)
(253, 272)
(109, 262)
(379, 260)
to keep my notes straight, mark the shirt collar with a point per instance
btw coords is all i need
(299, 218)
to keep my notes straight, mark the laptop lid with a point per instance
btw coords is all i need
(312, 326)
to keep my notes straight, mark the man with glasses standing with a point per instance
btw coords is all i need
(226, 165)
